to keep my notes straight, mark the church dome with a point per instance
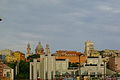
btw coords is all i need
(39, 46)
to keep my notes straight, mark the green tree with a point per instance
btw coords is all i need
(23, 70)
(34, 56)
(12, 65)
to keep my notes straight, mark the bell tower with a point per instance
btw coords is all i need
(47, 49)
(28, 50)
(89, 48)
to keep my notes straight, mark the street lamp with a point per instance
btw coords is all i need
(105, 61)
(80, 66)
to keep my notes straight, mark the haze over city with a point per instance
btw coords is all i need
(64, 24)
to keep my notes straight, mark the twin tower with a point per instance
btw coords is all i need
(38, 50)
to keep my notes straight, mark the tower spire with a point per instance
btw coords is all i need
(47, 49)
(28, 45)
(28, 50)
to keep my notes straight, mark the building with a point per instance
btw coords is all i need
(89, 48)
(114, 63)
(43, 69)
(47, 49)
(73, 56)
(39, 49)
(94, 67)
(6, 73)
(19, 55)
(28, 50)
(109, 53)
(5, 52)
(10, 58)
(48, 66)
(61, 66)
(2, 57)
(1, 68)
(15, 56)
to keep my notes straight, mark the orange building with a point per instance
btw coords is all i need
(73, 56)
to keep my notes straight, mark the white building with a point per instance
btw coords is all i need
(94, 66)
(48, 66)
(8, 72)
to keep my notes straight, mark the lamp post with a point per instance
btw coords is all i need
(104, 68)
(80, 67)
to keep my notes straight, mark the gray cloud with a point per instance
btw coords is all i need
(64, 24)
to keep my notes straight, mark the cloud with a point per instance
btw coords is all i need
(64, 24)
(107, 8)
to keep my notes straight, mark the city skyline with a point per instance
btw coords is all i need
(63, 24)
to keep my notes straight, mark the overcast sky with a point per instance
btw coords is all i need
(64, 24)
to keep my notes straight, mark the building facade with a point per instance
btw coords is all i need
(19, 55)
(6, 73)
(89, 48)
(2, 57)
(48, 66)
(94, 66)
(5, 52)
(10, 59)
(73, 56)
(1, 68)
(39, 49)
(15, 56)
(114, 63)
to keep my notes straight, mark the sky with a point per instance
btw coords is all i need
(63, 24)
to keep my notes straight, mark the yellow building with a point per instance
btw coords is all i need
(9, 58)
(19, 55)
(15, 56)
(95, 54)
(5, 52)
